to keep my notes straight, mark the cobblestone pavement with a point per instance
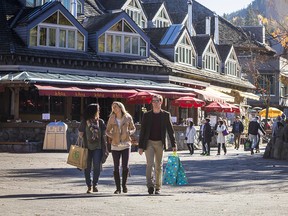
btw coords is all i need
(234, 184)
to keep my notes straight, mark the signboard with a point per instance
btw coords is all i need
(45, 116)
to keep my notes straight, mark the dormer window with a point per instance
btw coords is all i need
(185, 52)
(135, 11)
(211, 60)
(57, 32)
(162, 20)
(232, 66)
(122, 39)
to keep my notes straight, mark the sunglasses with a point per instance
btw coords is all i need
(155, 101)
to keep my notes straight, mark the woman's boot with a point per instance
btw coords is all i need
(117, 182)
(124, 180)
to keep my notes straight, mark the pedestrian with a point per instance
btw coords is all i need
(275, 127)
(207, 136)
(155, 124)
(221, 139)
(92, 130)
(190, 137)
(201, 136)
(237, 130)
(120, 127)
(253, 128)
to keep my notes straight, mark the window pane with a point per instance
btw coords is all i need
(135, 46)
(52, 37)
(43, 36)
(101, 43)
(71, 39)
(80, 41)
(62, 38)
(117, 27)
(117, 44)
(109, 43)
(52, 19)
(63, 20)
(33, 37)
(127, 42)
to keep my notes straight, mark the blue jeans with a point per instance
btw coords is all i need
(94, 156)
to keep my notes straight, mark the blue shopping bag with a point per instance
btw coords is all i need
(174, 173)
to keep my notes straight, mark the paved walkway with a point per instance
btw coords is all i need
(235, 184)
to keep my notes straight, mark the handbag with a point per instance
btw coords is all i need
(174, 173)
(225, 132)
(247, 145)
(78, 155)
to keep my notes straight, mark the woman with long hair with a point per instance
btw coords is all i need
(92, 130)
(120, 127)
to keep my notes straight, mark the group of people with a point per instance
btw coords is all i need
(156, 123)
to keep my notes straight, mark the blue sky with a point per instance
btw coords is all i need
(225, 6)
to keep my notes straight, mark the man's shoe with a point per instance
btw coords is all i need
(252, 152)
(157, 192)
(207, 154)
(89, 190)
(218, 153)
(203, 153)
(150, 190)
(95, 189)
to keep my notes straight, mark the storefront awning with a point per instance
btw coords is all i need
(248, 95)
(210, 94)
(73, 91)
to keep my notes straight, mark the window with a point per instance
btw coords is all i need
(136, 13)
(162, 20)
(30, 102)
(185, 53)
(121, 38)
(232, 67)
(210, 60)
(57, 32)
(267, 84)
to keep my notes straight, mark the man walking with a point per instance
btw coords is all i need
(152, 140)
(253, 128)
(237, 130)
(207, 136)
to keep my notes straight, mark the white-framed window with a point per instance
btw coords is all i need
(136, 13)
(122, 39)
(67, 4)
(210, 60)
(232, 67)
(185, 53)
(162, 20)
(57, 32)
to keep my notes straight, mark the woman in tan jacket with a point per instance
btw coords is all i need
(120, 127)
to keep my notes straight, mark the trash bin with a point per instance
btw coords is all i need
(55, 136)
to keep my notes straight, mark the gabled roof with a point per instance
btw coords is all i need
(151, 9)
(102, 23)
(112, 4)
(201, 42)
(172, 34)
(224, 51)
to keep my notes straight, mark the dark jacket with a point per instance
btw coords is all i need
(253, 128)
(102, 126)
(241, 127)
(166, 126)
(207, 133)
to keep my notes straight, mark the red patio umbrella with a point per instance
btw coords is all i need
(234, 108)
(141, 97)
(217, 107)
(188, 102)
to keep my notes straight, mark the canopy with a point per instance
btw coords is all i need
(273, 112)
(141, 97)
(217, 107)
(188, 102)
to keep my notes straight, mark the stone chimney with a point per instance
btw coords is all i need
(74, 8)
(208, 26)
(189, 21)
(216, 31)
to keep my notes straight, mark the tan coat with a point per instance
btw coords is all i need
(122, 133)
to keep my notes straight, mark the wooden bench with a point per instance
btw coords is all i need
(11, 143)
